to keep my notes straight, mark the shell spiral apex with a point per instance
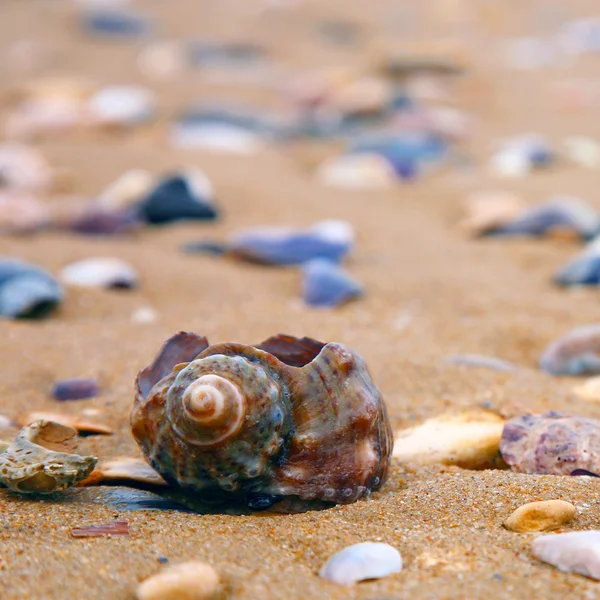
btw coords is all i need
(290, 422)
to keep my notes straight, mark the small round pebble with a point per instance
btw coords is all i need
(540, 516)
(192, 580)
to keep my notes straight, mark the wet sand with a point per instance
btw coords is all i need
(431, 293)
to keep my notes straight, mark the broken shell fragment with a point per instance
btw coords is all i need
(27, 291)
(112, 528)
(332, 240)
(326, 284)
(369, 560)
(584, 269)
(552, 443)
(469, 440)
(124, 470)
(192, 580)
(107, 273)
(181, 196)
(40, 461)
(75, 389)
(573, 552)
(575, 353)
(77, 423)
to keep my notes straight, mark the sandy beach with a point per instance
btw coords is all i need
(431, 292)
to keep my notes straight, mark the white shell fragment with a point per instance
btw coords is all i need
(126, 190)
(470, 440)
(24, 168)
(357, 172)
(122, 105)
(40, 460)
(100, 273)
(192, 580)
(369, 560)
(574, 552)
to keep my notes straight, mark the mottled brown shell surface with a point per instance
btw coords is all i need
(291, 422)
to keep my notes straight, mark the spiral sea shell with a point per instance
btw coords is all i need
(292, 422)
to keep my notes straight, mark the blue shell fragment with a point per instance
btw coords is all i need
(112, 23)
(403, 149)
(562, 214)
(575, 353)
(326, 284)
(132, 499)
(179, 197)
(27, 291)
(279, 246)
(584, 269)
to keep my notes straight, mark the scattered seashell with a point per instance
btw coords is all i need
(575, 353)
(126, 191)
(27, 291)
(470, 440)
(115, 24)
(81, 425)
(583, 151)
(188, 195)
(584, 269)
(112, 528)
(368, 560)
(324, 283)
(552, 443)
(562, 217)
(75, 389)
(205, 247)
(573, 552)
(487, 362)
(24, 168)
(357, 171)
(203, 54)
(520, 155)
(20, 213)
(490, 210)
(162, 60)
(121, 105)
(124, 470)
(131, 499)
(589, 389)
(215, 137)
(332, 240)
(273, 413)
(40, 460)
(108, 273)
(144, 315)
(97, 220)
(540, 516)
(192, 580)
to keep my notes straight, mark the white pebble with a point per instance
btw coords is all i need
(186, 581)
(369, 560)
(575, 552)
(510, 162)
(100, 273)
(121, 105)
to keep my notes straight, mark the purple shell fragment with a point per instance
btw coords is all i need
(553, 443)
(326, 284)
(575, 353)
(75, 389)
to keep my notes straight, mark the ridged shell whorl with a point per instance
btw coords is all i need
(292, 422)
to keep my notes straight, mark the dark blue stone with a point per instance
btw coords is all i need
(174, 200)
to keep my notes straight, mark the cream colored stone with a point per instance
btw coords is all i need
(540, 516)
(192, 580)
(470, 440)
(589, 389)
